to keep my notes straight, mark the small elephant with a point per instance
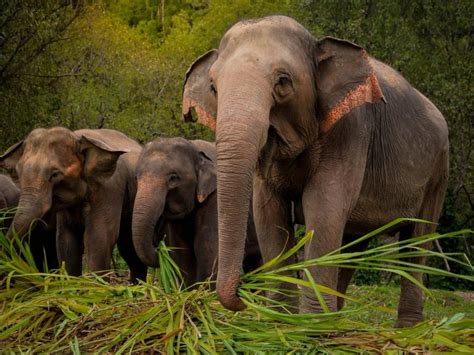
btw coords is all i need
(321, 124)
(43, 235)
(176, 186)
(84, 180)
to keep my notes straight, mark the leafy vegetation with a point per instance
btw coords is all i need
(56, 312)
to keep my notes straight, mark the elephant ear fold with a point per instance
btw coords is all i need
(206, 178)
(100, 160)
(345, 79)
(10, 158)
(197, 92)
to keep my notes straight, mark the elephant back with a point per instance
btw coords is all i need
(114, 139)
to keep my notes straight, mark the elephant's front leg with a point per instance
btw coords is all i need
(328, 227)
(180, 239)
(275, 235)
(327, 203)
(69, 240)
(102, 225)
(205, 241)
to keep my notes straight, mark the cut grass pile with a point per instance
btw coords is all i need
(54, 312)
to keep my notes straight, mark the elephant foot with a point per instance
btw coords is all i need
(407, 322)
(309, 304)
(340, 303)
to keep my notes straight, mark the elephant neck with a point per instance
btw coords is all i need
(286, 176)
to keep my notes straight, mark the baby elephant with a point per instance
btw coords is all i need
(176, 184)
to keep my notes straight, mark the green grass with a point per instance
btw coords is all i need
(58, 313)
(442, 304)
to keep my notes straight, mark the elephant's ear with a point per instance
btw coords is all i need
(197, 92)
(10, 158)
(100, 159)
(345, 79)
(206, 178)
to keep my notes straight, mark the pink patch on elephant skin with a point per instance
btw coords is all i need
(204, 117)
(369, 91)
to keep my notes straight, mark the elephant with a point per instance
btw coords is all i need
(85, 181)
(320, 124)
(43, 235)
(176, 186)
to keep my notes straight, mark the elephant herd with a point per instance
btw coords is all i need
(308, 131)
(97, 188)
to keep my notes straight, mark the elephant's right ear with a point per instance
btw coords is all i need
(10, 158)
(197, 92)
(100, 160)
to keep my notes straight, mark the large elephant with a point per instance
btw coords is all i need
(323, 125)
(85, 180)
(176, 185)
(43, 235)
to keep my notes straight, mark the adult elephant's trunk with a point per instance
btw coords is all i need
(149, 205)
(33, 204)
(242, 126)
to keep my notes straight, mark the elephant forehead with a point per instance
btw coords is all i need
(150, 181)
(270, 23)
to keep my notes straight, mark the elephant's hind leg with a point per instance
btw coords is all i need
(410, 306)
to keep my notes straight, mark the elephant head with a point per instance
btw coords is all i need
(173, 175)
(270, 81)
(53, 168)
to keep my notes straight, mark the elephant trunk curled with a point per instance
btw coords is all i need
(242, 126)
(33, 204)
(149, 205)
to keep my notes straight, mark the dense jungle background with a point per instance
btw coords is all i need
(121, 63)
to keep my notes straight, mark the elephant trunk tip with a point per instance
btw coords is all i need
(227, 295)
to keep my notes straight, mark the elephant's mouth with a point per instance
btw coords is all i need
(173, 213)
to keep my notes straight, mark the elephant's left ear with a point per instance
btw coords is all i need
(10, 158)
(206, 178)
(197, 93)
(100, 160)
(345, 79)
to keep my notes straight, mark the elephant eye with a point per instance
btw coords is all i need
(283, 80)
(55, 175)
(283, 86)
(213, 89)
(173, 178)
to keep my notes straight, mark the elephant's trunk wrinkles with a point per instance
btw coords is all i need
(33, 204)
(242, 126)
(148, 207)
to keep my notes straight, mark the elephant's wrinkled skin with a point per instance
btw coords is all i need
(85, 179)
(321, 124)
(176, 185)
